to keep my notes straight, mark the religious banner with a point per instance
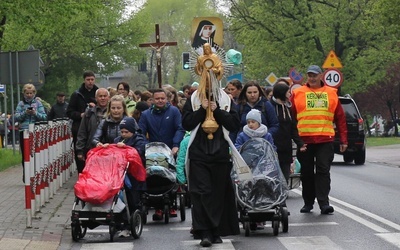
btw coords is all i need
(207, 30)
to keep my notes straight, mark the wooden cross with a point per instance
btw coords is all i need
(157, 46)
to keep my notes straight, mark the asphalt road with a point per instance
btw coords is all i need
(366, 216)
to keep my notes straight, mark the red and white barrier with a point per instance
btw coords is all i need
(49, 162)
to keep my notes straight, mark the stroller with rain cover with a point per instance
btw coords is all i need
(260, 198)
(162, 189)
(103, 192)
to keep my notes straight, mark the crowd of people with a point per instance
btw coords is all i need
(102, 116)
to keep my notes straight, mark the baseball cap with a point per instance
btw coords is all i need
(314, 69)
(60, 94)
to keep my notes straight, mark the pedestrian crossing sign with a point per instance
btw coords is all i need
(332, 61)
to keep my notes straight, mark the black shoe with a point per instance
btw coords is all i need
(216, 240)
(205, 242)
(306, 209)
(326, 209)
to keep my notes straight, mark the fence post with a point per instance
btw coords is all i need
(27, 174)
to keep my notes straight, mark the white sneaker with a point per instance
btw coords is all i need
(124, 233)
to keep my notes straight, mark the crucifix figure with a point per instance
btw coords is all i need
(157, 46)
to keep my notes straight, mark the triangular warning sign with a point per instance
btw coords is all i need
(332, 61)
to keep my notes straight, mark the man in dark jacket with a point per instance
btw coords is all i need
(89, 124)
(81, 99)
(59, 109)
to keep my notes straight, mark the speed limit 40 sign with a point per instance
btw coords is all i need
(333, 78)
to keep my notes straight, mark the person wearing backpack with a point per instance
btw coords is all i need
(253, 97)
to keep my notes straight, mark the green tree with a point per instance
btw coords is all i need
(73, 36)
(278, 35)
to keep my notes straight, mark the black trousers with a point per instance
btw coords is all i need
(80, 165)
(315, 172)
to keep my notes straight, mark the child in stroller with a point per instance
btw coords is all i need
(162, 187)
(261, 191)
(98, 189)
(262, 198)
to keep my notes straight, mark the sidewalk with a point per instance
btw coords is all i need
(46, 232)
(47, 228)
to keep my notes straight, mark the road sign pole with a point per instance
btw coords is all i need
(6, 114)
(12, 100)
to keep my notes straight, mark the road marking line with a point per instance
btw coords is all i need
(109, 245)
(374, 216)
(308, 242)
(393, 238)
(105, 230)
(180, 229)
(357, 218)
(313, 224)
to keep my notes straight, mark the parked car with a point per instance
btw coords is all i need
(356, 150)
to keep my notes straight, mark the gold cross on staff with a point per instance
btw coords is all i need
(157, 46)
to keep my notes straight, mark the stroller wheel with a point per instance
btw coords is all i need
(246, 228)
(76, 231)
(275, 226)
(144, 215)
(182, 207)
(136, 224)
(285, 219)
(166, 214)
(188, 202)
(83, 232)
(112, 231)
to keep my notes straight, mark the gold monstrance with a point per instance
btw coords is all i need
(209, 67)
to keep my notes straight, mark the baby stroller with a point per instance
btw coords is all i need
(162, 189)
(103, 193)
(260, 199)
